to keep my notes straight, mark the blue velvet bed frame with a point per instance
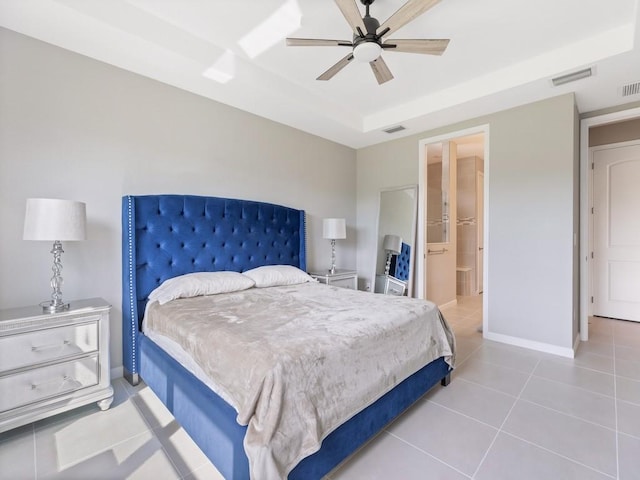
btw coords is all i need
(168, 235)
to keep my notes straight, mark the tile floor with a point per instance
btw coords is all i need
(509, 413)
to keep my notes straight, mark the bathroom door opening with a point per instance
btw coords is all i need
(452, 236)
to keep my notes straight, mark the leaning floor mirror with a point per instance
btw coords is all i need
(394, 263)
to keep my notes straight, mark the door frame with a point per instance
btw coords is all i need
(480, 271)
(586, 200)
(421, 257)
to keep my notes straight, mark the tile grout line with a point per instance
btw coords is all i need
(564, 361)
(469, 356)
(465, 415)
(557, 454)
(471, 382)
(415, 447)
(575, 417)
(524, 439)
(629, 402)
(560, 382)
(489, 362)
(504, 421)
(546, 407)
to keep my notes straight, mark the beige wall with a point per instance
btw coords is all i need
(614, 132)
(532, 181)
(76, 128)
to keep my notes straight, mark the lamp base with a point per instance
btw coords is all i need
(52, 307)
(332, 270)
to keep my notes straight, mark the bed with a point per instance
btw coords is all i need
(165, 236)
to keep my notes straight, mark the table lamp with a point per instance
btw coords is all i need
(333, 229)
(392, 244)
(55, 220)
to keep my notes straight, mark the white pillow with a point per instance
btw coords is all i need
(200, 283)
(276, 275)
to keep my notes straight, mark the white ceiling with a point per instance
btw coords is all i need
(502, 53)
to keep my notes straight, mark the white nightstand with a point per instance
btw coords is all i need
(53, 362)
(389, 285)
(341, 278)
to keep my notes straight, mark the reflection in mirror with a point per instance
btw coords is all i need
(438, 193)
(397, 217)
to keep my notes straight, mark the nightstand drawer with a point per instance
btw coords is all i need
(340, 278)
(344, 283)
(395, 289)
(52, 381)
(390, 285)
(47, 345)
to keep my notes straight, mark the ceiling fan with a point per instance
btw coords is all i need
(369, 37)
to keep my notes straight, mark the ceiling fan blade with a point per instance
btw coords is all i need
(425, 46)
(349, 9)
(405, 14)
(381, 70)
(336, 68)
(317, 42)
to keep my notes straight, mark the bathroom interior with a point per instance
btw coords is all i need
(454, 219)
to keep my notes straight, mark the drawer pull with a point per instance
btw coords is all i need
(35, 386)
(48, 347)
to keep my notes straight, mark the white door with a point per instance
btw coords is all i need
(480, 230)
(616, 234)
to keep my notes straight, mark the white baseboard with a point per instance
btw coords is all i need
(117, 372)
(530, 344)
(452, 303)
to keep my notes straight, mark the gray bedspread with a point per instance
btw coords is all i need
(298, 361)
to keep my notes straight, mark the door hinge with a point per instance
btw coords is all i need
(592, 165)
(591, 299)
(591, 210)
(591, 254)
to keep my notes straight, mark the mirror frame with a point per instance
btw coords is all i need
(412, 242)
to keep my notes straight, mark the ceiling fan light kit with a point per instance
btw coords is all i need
(368, 37)
(366, 52)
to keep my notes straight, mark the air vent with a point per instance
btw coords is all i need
(395, 129)
(630, 89)
(571, 77)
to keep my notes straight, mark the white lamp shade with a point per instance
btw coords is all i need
(52, 219)
(334, 228)
(393, 244)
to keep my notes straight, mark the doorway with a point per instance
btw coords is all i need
(587, 219)
(616, 231)
(451, 256)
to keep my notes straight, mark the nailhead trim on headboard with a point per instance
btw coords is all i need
(131, 287)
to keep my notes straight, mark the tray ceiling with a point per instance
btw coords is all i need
(502, 53)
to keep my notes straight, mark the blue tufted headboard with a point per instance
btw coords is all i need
(164, 236)
(400, 264)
